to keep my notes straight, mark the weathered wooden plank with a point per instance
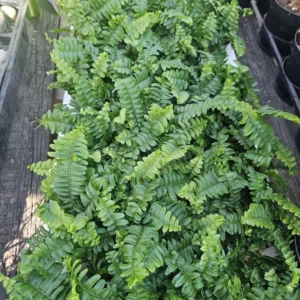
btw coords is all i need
(264, 72)
(19, 188)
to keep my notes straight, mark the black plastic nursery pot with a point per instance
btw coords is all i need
(15, 43)
(292, 64)
(297, 142)
(286, 90)
(245, 3)
(263, 6)
(282, 22)
(282, 45)
(290, 73)
(282, 88)
(283, 25)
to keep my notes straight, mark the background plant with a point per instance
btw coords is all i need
(164, 183)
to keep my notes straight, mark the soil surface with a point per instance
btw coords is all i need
(287, 4)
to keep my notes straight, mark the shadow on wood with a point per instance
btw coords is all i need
(19, 188)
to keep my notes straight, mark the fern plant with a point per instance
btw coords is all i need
(162, 184)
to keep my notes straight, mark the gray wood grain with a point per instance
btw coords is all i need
(19, 188)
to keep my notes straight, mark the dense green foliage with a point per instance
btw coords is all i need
(164, 183)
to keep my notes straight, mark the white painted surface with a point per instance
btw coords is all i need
(9, 11)
(231, 56)
(2, 55)
(67, 99)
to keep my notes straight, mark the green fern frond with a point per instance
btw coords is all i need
(135, 212)
(184, 247)
(239, 46)
(195, 165)
(100, 66)
(172, 16)
(293, 224)
(257, 215)
(92, 288)
(257, 180)
(82, 231)
(141, 78)
(158, 119)
(160, 94)
(52, 214)
(159, 217)
(71, 155)
(109, 215)
(115, 32)
(285, 203)
(97, 122)
(170, 151)
(213, 258)
(211, 222)
(256, 129)
(189, 192)
(232, 224)
(69, 49)
(84, 94)
(47, 257)
(140, 6)
(139, 26)
(57, 121)
(189, 279)
(145, 141)
(23, 287)
(283, 245)
(141, 253)
(77, 16)
(89, 198)
(259, 158)
(189, 111)
(256, 294)
(171, 183)
(209, 30)
(42, 168)
(210, 185)
(179, 210)
(130, 99)
(177, 78)
(122, 66)
(9, 285)
(194, 127)
(149, 167)
(270, 111)
(105, 9)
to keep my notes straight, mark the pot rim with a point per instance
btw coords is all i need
(275, 36)
(279, 11)
(295, 39)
